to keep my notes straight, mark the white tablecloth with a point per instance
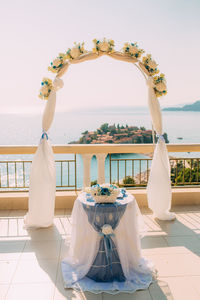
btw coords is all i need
(84, 246)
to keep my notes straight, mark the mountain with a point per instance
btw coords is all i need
(188, 107)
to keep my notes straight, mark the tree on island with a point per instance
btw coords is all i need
(104, 127)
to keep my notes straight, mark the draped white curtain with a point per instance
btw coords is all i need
(43, 174)
(159, 185)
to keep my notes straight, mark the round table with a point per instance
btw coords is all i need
(106, 263)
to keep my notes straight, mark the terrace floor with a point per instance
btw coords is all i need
(30, 260)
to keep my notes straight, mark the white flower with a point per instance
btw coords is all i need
(161, 86)
(152, 64)
(106, 185)
(75, 52)
(107, 229)
(56, 62)
(44, 90)
(104, 46)
(133, 49)
(87, 190)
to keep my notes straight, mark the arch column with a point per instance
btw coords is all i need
(101, 167)
(86, 169)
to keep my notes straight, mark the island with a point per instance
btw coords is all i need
(189, 107)
(117, 134)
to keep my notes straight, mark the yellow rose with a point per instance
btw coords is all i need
(161, 86)
(56, 62)
(133, 49)
(44, 90)
(104, 46)
(152, 64)
(75, 52)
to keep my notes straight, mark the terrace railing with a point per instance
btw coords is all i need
(128, 172)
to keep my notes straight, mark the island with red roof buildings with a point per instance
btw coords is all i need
(117, 134)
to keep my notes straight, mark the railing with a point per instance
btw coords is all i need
(135, 172)
(14, 175)
(66, 174)
(129, 172)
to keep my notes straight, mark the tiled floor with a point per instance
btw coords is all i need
(30, 260)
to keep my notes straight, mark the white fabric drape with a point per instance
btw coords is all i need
(159, 185)
(42, 186)
(85, 242)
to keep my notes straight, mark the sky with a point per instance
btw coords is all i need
(33, 33)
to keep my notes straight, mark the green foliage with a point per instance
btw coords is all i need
(94, 182)
(104, 127)
(185, 173)
(85, 132)
(128, 180)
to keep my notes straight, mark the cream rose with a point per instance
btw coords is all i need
(75, 52)
(104, 46)
(44, 89)
(56, 62)
(152, 64)
(133, 49)
(107, 229)
(161, 86)
(87, 190)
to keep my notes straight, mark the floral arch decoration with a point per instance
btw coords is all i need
(130, 53)
(43, 174)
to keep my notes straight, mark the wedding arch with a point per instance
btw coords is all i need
(43, 175)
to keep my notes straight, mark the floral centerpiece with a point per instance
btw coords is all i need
(103, 46)
(104, 193)
(46, 88)
(75, 51)
(150, 65)
(133, 50)
(160, 86)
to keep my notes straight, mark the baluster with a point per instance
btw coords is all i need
(101, 167)
(86, 169)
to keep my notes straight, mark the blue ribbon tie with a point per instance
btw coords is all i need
(160, 137)
(44, 134)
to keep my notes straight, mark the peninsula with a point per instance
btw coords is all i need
(189, 107)
(117, 135)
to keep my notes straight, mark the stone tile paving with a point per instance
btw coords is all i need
(30, 259)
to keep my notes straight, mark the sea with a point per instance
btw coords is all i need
(25, 129)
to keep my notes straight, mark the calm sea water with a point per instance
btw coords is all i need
(16, 129)
(68, 126)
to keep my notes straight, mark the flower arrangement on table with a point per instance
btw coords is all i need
(104, 193)
(133, 50)
(46, 88)
(160, 87)
(103, 46)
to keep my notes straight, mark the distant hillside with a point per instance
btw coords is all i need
(189, 107)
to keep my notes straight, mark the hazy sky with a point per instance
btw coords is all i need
(34, 32)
